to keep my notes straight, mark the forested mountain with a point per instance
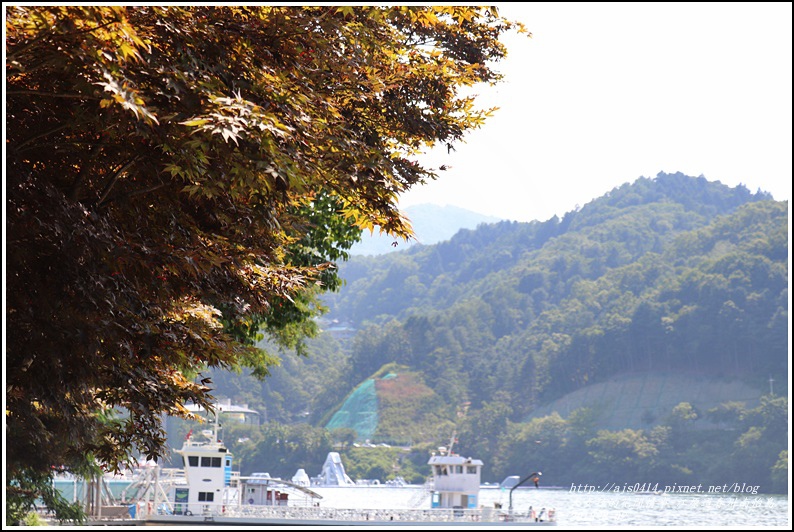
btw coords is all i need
(673, 274)
(666, 273)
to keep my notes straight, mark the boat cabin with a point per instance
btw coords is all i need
(260, 490)
(456, 480)
(208, 470)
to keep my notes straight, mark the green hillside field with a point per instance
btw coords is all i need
(641, 401)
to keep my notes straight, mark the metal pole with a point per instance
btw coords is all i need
(531, 475)
(156, 487)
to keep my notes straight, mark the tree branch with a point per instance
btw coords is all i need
(146, 190)
(115, 178)
(36, 137)
(51, 95)
(74, 193)
(51, 33)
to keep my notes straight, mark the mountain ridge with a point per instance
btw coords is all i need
(431, 224)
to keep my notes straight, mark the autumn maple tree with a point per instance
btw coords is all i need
(181, 179)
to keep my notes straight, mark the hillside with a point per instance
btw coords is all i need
(645, 275)
(642, 401)
(505, 324)
(390, 406)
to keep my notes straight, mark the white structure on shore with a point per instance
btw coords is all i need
(333, 473)
(301, 478)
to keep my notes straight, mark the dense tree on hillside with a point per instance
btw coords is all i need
(650, 284)
(482, 430)
(292, 389)
(180, 177)
(751, 446)
(571, 313)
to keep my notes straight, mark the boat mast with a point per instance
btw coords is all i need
(462, 410)
(451, 442)
(216, 425)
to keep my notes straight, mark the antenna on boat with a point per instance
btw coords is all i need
(451, 443)
(463, 409)
(217, 424)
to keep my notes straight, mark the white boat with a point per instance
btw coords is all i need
(210, 493)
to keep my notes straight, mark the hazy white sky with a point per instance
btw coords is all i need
(604, 93)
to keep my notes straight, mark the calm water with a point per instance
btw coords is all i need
(594, 510)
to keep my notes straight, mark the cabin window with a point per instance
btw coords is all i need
(471, 470)
(459, 469)
(193, 461)
(206, 496)
(206, 461)
(228, 462)
(216, 461)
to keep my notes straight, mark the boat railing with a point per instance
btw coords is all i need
(448, 515)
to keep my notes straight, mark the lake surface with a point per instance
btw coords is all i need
(593, 510)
